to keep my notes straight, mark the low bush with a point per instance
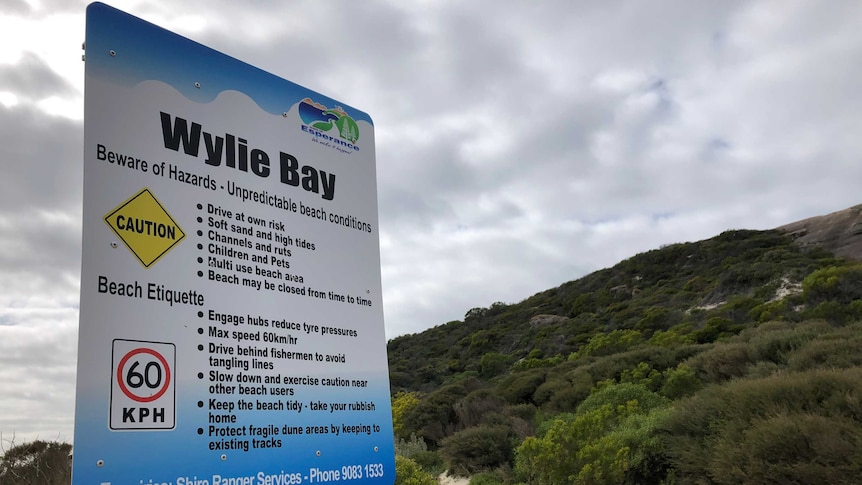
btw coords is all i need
(722, 362)
(408, 472)
(477, 449)
(802, 428)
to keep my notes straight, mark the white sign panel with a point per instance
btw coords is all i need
(231, 323)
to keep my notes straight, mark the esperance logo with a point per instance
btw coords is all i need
(320, 121)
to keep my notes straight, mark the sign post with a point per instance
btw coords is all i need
(231, 323)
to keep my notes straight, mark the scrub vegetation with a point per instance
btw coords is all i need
(733, 360)
(35, 463)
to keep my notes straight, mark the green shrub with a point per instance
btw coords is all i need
(610, 343)
(611, 439)
(567, 399)
(839, 350)
(402, 404)
(803, 425)
(621, 395)
(612, 366)
(527, 412)
(724, 361)
(680, 382)
(653, 318)
(410, 447)
(791, 448)
(669, 339)
(835, 312)
(519, 387)
(774, 346)
(839, 284)
(549, 389)
(644, 375)
(474, 408)
(430, 461)
(533, 363)
(772, 310)
(477, 449)
(408, 472)
(763, 369)
(738, 308)
(716, 328)
(493, 363)
(434, 417)
(36, 462)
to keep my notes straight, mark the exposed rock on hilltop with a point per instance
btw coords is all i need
(839, 232)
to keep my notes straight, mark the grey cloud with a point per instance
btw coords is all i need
(403, 209)
(37, 368)
(33, 78)
(42, 160)
(47, 256)
(17, 7)
(324, 47)
(59, 6)
(40, 197)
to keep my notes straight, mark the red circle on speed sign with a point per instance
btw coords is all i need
(160, 387)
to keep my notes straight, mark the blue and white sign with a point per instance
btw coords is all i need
(231, 320)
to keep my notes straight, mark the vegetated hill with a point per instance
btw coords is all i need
(730, 360)
(714, 287)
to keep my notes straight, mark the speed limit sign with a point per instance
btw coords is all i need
(142, 385)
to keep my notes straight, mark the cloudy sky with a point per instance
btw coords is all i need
(520, 145)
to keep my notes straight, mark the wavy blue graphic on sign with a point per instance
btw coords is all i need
(103, 456)
(144, 52)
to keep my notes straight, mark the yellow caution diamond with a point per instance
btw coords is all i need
(145, 227)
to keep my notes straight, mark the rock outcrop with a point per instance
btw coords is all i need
(839, 232)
